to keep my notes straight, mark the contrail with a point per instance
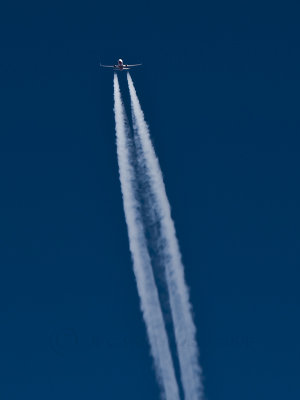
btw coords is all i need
(169, 253)
(147, 289)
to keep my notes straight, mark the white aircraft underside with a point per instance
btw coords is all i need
(120, 66)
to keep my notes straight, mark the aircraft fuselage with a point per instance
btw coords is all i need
(120, 66)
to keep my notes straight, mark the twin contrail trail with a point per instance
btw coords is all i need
(138, 163)
(141, 260)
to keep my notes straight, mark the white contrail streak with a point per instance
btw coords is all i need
(184, 327)
(141, 260)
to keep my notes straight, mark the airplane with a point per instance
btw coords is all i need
(120, 66)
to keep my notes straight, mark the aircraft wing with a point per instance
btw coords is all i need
(132, 65)
(108, 66)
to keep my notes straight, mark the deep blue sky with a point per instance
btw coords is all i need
(220, 89)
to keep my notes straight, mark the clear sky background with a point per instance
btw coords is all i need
(220, 90)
